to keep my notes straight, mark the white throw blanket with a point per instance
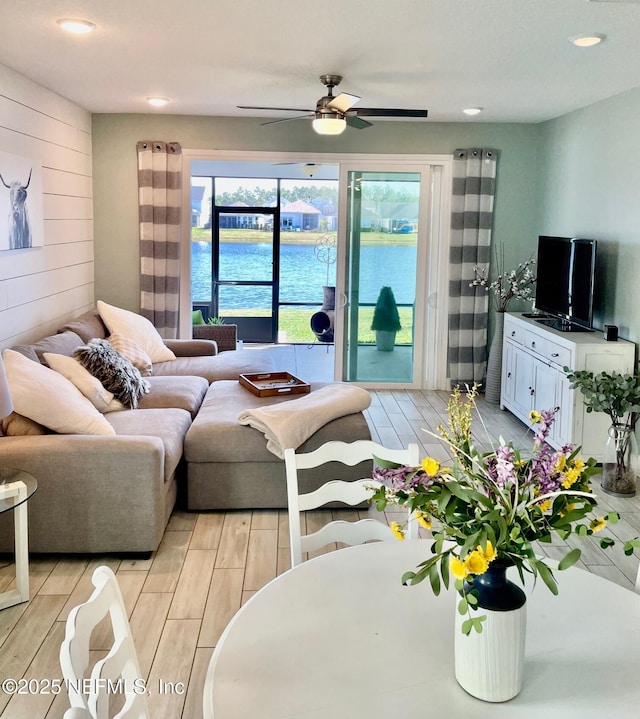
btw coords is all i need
(289, 424)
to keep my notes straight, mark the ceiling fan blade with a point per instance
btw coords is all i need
(357, 122)
(384, 112)
(287, 119)
(343, 102)
(284, 109)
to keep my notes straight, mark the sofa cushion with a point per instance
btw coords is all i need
(114, 371)
(86, 326)
(183, 392)
(228, 365)
(50, 399)
(137, 328)
(82, 379)
(217, 436)
(132, 351)
(63, 343)
(169, 425)
(16, 425)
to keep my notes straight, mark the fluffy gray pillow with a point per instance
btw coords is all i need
(115, 372)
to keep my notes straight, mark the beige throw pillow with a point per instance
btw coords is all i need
(90, 386)
(137, 328)
(50, 399)
(132, 351)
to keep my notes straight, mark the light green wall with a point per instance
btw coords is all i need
(115, 179)
(588, 187)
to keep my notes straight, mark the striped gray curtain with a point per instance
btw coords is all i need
(474, 179)
(160, 214)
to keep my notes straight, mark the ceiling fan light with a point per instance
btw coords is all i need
(329, 125)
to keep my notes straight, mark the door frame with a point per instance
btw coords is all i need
(431, 339)
(253, 326)
(435, 294)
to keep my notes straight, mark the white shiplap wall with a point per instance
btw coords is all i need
(41, 288)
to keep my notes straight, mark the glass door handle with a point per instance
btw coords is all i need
(341, 300)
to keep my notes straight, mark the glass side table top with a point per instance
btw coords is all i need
(9, 476)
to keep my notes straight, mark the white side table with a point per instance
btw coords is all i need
(16, 487)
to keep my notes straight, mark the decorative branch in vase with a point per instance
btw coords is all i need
(513, 285)
(516, 284)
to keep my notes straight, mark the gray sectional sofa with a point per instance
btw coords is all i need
(115, 493)
(100, 493)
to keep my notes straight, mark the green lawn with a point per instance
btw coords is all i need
(295, 324)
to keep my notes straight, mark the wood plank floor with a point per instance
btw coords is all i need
(208, 564)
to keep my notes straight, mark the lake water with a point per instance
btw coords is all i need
(302, 275)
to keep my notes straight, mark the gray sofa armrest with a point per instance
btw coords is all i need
(192, 348)
(95, 493)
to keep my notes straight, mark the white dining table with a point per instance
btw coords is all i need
(339, 636)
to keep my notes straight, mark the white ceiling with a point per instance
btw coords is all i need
(511, 57)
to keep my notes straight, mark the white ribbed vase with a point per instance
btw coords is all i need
(489, 665)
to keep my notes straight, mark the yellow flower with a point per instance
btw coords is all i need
(598, 524)
(489, 553)
(535, 417)
(560, 464)
(571, 476)
(397, 530)
(578, 464)
(424, 520)
(476, 563)
(430, 466)
(458, 568)
(545, 505)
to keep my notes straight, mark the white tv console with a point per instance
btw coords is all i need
(533, 356)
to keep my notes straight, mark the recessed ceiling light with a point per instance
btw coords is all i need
(587, 39)
(78, 27)
(158, 101)
(472, 110)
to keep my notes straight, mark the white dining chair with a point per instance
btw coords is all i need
(118, 668)
(351, 493)
(638, 580)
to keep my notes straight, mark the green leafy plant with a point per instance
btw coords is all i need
(617, 395)
(215, 321)
(493, 505)
(385, 315)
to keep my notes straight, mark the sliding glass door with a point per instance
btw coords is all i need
(391, 272)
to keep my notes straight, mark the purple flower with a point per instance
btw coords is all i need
(400, 478)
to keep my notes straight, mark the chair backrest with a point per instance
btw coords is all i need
(638, 580)
(116, 673)
(351, 493)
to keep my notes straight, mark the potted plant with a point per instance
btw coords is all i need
(618, 396)
(386, 320)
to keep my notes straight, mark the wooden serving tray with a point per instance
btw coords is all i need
(269, 384)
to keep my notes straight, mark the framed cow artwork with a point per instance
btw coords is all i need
(21, 211)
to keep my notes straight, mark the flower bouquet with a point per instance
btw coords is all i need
(494, 505)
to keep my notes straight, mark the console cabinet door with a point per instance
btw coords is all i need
(522, 381)
(544, 391)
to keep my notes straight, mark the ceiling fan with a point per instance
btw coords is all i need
(333, 114)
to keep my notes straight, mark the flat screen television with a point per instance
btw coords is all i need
(565, 281)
